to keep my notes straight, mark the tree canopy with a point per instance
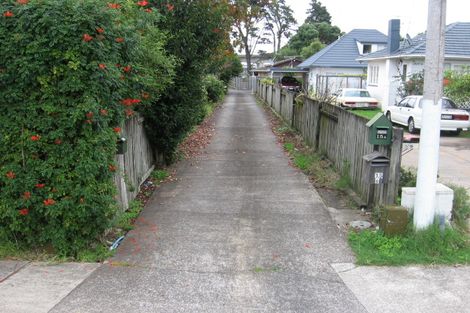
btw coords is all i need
(313, 35)
(279, 21)
(247, 16)
(317, 13)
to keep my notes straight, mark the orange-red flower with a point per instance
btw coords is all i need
(89, 115)
(24, 211)
(216, 30)
(99, 30)
(87, 122)
(27, 195)
(48, 202)
(40, 186)
(35, 138)
(119, 39)
(8, 14)
(114, 5)
(102, 66)
(127, 69)
(10, 175)
(22, 1)
(170, 7)
(87, 38)
(129, 101)
(104, 112)
(58, 141)
(112, 167)
(142, 3)
(148, 10)
(117, 130)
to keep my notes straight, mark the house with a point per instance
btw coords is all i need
(281, 68)
(257, 61)
(388, 68)
(338, 61)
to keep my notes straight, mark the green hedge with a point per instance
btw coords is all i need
(70, 72)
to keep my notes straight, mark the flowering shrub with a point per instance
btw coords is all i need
(70, 73)
(458, 87)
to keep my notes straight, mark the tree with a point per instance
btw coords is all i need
(279, 20)
(196, 44)
(247, 15)
(311, 49)
(306, 34)
(457, 87)
(317, 13)
(327, 33)
(286, 52)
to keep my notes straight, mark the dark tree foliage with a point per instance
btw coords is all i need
(317, 13)
(196, 30)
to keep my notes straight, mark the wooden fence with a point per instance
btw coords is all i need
(340, 135)
(136, 164)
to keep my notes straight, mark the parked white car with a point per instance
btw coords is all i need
(355, 98)
(408, 112)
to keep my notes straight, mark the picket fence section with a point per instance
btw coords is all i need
(136, 164)
(339, 135)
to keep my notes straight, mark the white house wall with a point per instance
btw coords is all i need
(381, 90)
(312, 75)
(391, 70)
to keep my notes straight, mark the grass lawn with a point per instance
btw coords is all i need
(465, 134)
(431, 246)
(368, 114)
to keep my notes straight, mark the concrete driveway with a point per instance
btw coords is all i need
(454, 160)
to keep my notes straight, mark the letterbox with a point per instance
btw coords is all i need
(377, 167)
(380, 130)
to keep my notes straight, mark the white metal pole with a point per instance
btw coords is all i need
(430, 131)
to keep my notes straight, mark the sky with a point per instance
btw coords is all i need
(375, 14)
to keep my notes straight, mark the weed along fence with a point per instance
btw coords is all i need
(341, 136)
(135, 164)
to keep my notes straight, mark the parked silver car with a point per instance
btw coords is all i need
(355, 98)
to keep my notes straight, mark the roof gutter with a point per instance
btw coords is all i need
(410, 56)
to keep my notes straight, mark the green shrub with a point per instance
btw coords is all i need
(430, 246)
(407, 179)
(196, 30)
(70, 72)
(214, 87)
(458, 88)
(460, 206)
(267, 81)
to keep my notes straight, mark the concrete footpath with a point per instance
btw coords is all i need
(238, 231)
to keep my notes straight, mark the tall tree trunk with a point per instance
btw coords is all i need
(248, 59)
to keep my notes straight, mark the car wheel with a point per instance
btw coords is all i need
(411, 126)
(389, 116)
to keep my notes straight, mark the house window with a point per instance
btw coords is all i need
(374, 75)
(405, 69)
(461, 68)
(366, 49)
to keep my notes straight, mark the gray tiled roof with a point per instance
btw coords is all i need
(457, 43)
(343, 52)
